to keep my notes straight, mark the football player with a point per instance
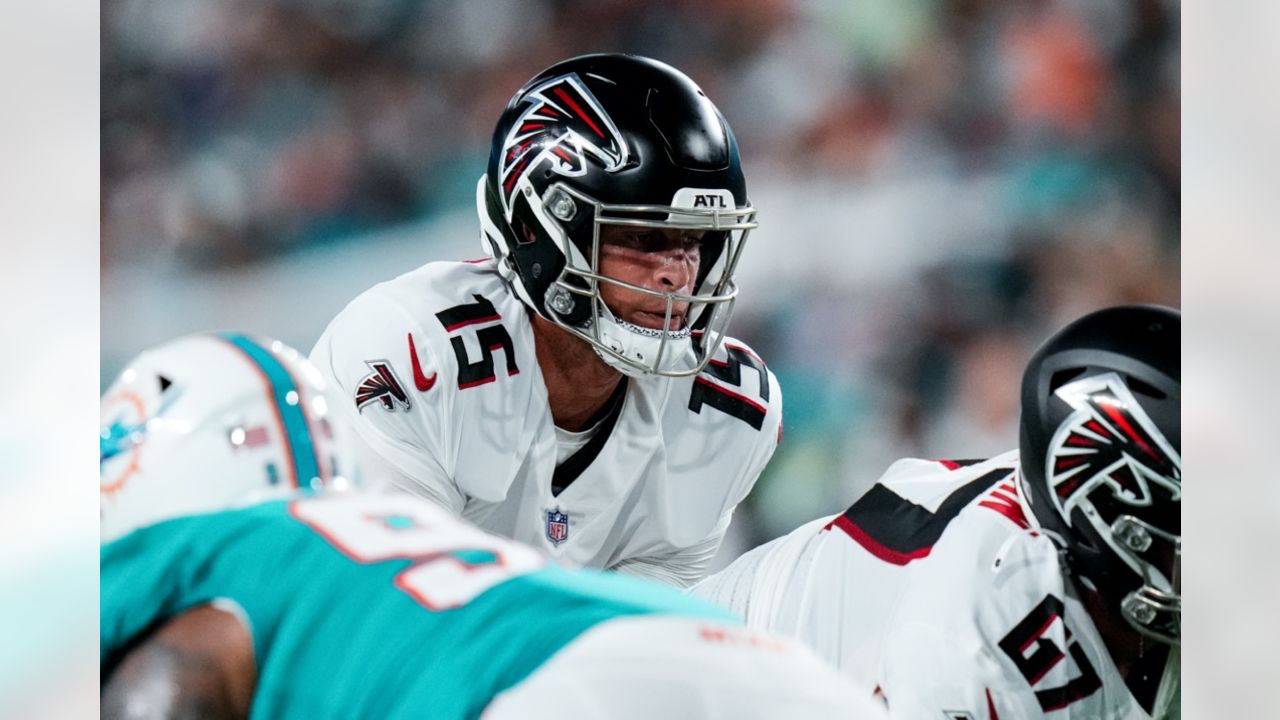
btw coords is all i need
(576, 390)
(238, 580)
(1042, 582)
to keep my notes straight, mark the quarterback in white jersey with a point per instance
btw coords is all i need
(1008, 589)
(576, 390)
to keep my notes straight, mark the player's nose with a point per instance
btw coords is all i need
(676, 269)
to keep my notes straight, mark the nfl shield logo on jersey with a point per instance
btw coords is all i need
(557, 526)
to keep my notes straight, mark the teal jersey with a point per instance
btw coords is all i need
(367, 606)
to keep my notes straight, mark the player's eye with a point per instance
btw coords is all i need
(645, 241)
(654, 241)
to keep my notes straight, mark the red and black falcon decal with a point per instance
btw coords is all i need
(562, 125)
(382, 386)
(1109, 440)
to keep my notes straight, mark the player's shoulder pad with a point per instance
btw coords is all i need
(406, 334)
(737, 382)
(994, 546)
(917, 506)
(930, 482)
(1006, 584)
(435, 296)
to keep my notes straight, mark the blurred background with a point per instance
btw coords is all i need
(940, 184)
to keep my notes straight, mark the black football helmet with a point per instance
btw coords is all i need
(615, 140)
(1101, 458)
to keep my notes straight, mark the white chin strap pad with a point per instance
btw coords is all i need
(641, 345)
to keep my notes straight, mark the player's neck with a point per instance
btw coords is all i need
(578, 382)
(1121, 640)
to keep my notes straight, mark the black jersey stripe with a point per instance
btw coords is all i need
(569, 470)
(897, 530)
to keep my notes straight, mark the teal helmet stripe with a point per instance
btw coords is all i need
(293, 419)
(118, 437)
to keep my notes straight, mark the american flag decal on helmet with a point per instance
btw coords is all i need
(562, 125)
(382, 386)
(1109, 440)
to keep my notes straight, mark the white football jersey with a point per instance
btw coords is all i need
(936, 587)
(439, 373)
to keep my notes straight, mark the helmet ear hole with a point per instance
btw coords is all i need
(1143, 388)
(1062, 377)
(524, 233)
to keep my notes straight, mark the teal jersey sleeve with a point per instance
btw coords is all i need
(367, 607)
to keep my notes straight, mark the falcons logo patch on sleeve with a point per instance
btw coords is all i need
(381, 386)
(1109, 441)
(563, 125)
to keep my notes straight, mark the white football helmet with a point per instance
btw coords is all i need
(210, 421)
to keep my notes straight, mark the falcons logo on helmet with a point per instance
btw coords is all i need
(383, 386)
(562, 125)
(1109, 440)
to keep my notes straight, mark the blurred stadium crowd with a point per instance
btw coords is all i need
(940, 183)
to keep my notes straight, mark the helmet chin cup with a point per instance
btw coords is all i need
(638, 351)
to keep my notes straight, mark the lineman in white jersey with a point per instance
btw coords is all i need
(1042, 582)
(576, 390)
